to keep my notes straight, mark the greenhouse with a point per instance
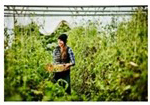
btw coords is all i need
(110, 45)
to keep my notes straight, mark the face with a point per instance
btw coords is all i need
(60, 43)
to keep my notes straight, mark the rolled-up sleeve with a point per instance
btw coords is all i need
(54, 56)
(71, 55)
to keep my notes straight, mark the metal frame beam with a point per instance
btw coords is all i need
(38, 15)
(66, 6)
(33, 10)
(13, 11)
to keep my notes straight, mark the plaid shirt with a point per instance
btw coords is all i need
(57, 56)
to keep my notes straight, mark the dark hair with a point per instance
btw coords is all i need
(63, 37)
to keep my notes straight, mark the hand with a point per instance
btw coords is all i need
(67, 66)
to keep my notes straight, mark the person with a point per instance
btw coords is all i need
(63, 54)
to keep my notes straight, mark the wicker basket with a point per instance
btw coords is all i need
(55, 68)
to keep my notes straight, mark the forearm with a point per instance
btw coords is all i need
(70, 64)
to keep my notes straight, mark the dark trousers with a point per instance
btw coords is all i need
(66, 76)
